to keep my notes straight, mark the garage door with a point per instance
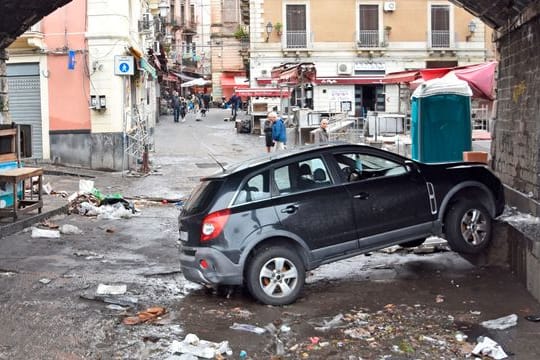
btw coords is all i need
(25, 101)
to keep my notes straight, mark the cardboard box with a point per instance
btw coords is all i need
(475, 156)
(260, 107)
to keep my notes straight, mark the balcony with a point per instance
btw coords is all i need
(30, 39)
(369, 39)
(297, 39)
(440, 39)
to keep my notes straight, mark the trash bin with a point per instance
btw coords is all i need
(441, 121)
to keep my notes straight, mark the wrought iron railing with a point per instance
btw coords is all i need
(440, 38)
(368, 38)
(296, 39)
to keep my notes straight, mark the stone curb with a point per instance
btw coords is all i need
(19, 225)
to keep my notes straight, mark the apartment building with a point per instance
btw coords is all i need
(355, 43)
(86, 79)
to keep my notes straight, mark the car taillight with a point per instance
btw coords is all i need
(213, 224)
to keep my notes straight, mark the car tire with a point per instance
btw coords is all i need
(468, 227)
(274, 286)
(413, 243)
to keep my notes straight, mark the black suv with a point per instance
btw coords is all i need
(266, 221)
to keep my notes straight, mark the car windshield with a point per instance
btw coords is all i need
(200, 197)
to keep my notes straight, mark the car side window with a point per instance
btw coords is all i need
(358, 166)
(256, 188)
(302, 175)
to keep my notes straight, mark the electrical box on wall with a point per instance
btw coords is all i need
(98, 102)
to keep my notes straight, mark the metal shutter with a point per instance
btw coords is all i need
(25, 101)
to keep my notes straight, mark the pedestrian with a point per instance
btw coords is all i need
(321, 134)
(267, 129)
(234, 102)
(183, 107)
(279, 133)
(175, 102)
(198, 115)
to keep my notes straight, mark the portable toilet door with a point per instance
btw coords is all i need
(441, 128)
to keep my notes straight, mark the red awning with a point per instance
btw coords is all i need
(263, 80)
(293, 74)
(231, 81)
(264, 92)
(428, 74)
(401, 77)
(348, 80)
(481, 78)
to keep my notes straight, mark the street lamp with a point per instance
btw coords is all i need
(164, 8)
(472, 29)
(269, 28)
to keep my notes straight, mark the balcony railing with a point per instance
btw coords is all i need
(440, 38)
(296, 39)
(368, 38)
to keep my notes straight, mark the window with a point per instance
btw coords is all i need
(301, 176)
(440, 26)
(368, 19)
(256, 188)
(357, 166)
(296, 26)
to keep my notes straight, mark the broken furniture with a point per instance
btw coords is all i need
(15, 177)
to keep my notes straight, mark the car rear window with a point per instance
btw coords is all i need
(201, 196)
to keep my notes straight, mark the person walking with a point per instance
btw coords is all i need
(321, 134)
(279, 133)
(234, 102)
(267, 129)
(183, 107)
(175, 102)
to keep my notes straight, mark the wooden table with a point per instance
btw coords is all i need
(14, 177)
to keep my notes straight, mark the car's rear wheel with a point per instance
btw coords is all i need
(468, 227)
(275, 275)
(413, 243)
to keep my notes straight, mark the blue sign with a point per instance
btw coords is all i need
(124, 65)
(71, 60)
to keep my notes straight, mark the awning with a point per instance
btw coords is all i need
(294, 74)
(348, 80)
(481, 78)
(196, 82)
(169, 77)
(428, 74)
(401, 77)
(183, 77)
(263, 80)
(234, 81)
(145, 65)
(264, 92)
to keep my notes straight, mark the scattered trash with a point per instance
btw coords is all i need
(48, 224)
(243, 354)
(86, 186)
(501, 323)
(194, 346)
(110, 230)
(47, 188)
(103, 289)
(44, 233)
(45, 281)
(248, 327)
(68, 229)
(285, 328)
(534, 318)
(88, 255)
(460, 337)
(242, 313)
(115, 307)
(325, 325)
(439, 298)
(147, 315)
(121, 300)
(488, 347)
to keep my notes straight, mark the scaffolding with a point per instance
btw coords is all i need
(137, 140)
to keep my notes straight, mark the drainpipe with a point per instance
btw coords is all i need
(4, 115)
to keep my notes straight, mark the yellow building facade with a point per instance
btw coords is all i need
(354, 43)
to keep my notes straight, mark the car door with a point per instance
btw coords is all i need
(387, 196)
(314, 207)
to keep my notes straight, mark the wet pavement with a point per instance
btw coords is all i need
(393, 304)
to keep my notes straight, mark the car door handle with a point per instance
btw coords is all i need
(291, 209)
(361, 196)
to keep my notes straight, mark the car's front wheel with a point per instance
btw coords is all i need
(275, 275)
(468, 227)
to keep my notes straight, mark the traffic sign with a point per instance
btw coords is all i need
(124, 65)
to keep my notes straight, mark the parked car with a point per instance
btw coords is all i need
(264, 222)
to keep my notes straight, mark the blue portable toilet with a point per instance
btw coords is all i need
(441, 128)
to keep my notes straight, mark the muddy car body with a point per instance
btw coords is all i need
(264, 222)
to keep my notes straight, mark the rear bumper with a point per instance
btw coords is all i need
(221, 270)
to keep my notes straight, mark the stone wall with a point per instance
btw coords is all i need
(4, 104)
(515, 146)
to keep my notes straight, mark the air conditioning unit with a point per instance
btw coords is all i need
(344, 69)
(389, 6)
(264, 72)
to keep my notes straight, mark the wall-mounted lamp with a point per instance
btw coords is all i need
(164, 8)
(472, 29)
(269, 28)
